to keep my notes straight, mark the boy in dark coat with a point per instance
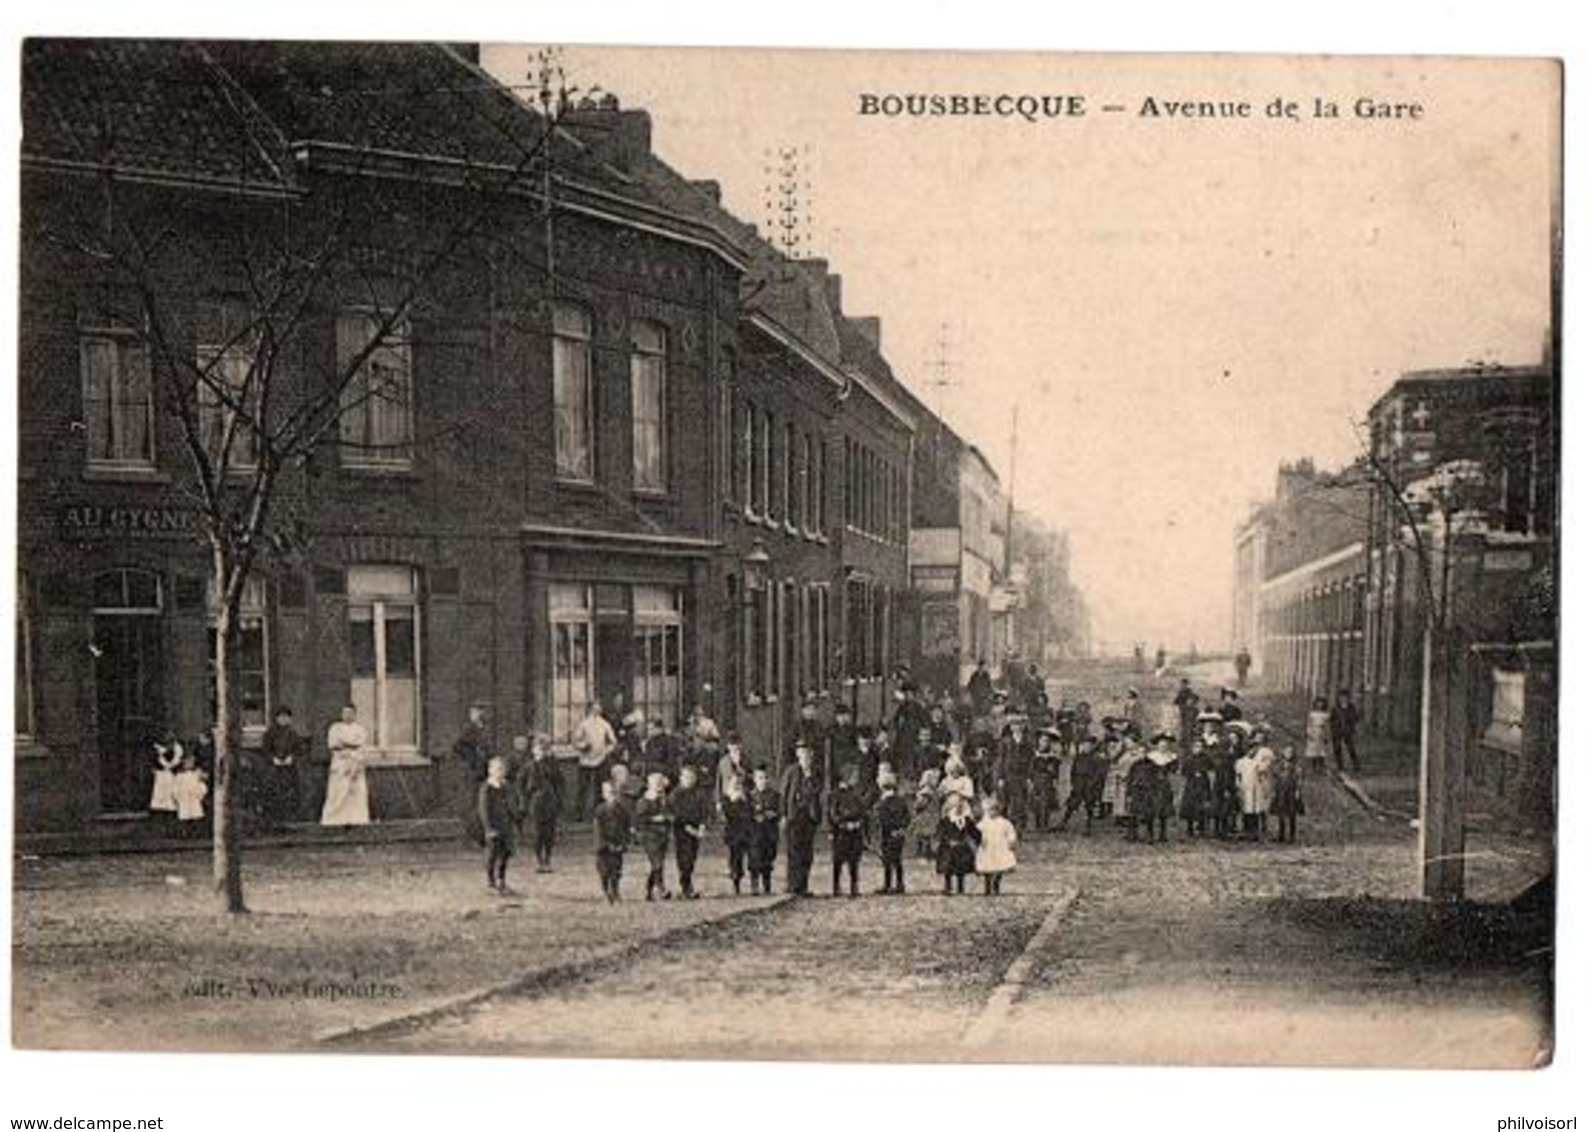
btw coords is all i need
(957, 837)
(653, 825)
(893, 817)
(1288, 804)
(848, 815)
(738, 830)
(1044, 766)
(765, 806)
(496, 819)
(541, 784)
(691, 809)
(612, 831)
(1087, 778)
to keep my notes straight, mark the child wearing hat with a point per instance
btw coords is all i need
(994, 853)
(893, 820)
(1044, 767)
(1288, 803)
(848, 814)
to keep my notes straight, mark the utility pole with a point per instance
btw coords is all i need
(787, 201)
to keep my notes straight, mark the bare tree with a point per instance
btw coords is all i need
(259, 396)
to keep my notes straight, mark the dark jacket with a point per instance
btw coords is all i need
(613, 827)
(652, 822)
(848, 810)
(691, 808)
(473, 751)
(893, 817)
(801, 795)
(738, 821)
(540, 786)
(496, 810)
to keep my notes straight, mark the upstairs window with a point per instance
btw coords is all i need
(573, 393)
(377, 401)
(118, 400)
(647, 370)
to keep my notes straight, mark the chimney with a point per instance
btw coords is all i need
(712, 189)
(617, 136)
(871, 328)
(834, 285)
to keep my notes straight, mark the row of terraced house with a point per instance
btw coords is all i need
(1451, 514)
(618, 445)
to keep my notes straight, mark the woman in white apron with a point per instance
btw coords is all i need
(347, 788)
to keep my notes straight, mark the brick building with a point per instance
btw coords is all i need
(528, 521)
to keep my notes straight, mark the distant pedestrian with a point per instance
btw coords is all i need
(541, 789)
(613, 827)
(1242, 666)
(653, 826)
(496, 820)
(926, 812)
(347, 783)
(691, 810)
(765, 805)
(191, 787)
(957, 838)
(802, 796)
(594, 740)
(472, 751)
(848, 817)
(738, 832)
(1317, 736)
(994, 853)
(281, 750)
(893, 819)
(1342, 721)
(168, 753)
(1088, 778)
(1288, 800)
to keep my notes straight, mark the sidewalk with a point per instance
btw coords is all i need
(130, 951)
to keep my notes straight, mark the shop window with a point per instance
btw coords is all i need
(572, 657)
(250, 658)
(573, 393)
(658, 652)
(377, 400)
(118, 401)
(383, 643)
(648, 379)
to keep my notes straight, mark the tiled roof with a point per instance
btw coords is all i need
(236, 110)
(160, 107)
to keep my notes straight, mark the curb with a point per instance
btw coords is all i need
(538, 980)
(1367, 802)
(986, 1023)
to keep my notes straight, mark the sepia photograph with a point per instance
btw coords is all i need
(742, 554)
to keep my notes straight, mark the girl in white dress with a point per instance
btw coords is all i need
(1317, 736)
(347, 788)
(190, 788)
(167, 759)
(994, 856)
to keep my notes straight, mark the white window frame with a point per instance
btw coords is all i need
(360, 404)
(131, 356)
(573, 359)
(652, 620)
(571, 609)
(379, 602)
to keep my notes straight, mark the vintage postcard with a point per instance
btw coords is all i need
(786, 554)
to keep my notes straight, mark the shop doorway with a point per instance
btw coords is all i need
(129, 672)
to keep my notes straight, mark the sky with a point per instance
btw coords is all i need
(1175, 305)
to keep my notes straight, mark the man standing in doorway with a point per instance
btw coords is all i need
(594, 740)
